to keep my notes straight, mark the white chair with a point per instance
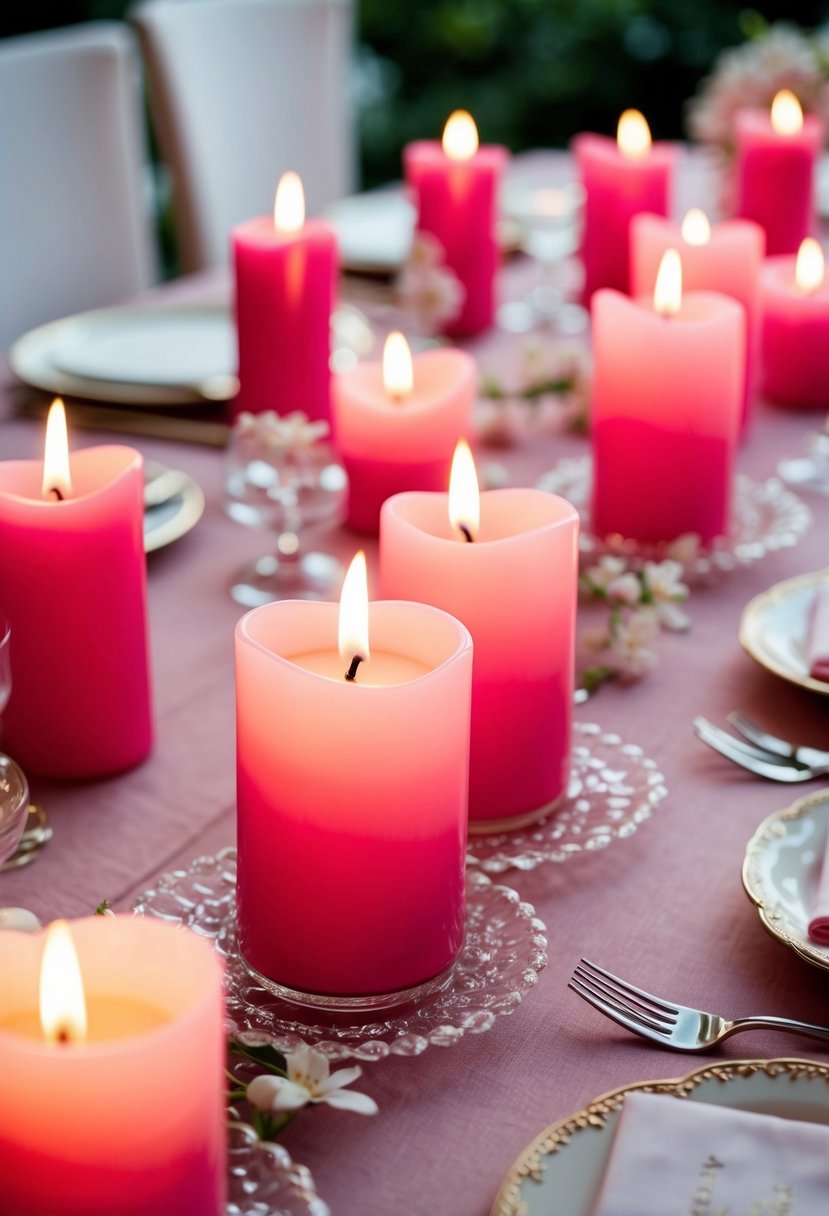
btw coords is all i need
(240, 91)
(75, 230)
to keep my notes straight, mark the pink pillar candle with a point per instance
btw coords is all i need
(389, 443)
(74, 593)
(285, 282)
(352, 805)
(795, 332)
(131, 1120)
(775, 175)
(621, 177)
(726, 257)
(455, 193)
(667, 402)
(514, 587)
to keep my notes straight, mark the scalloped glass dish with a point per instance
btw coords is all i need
(503, 953)
(765, 517)
(614, 788)
(781, 871)
(264, 1181)
(559, 1173)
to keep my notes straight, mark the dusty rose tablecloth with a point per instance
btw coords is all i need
(665, 907)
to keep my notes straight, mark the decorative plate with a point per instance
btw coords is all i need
(264, 1181)
(774, 625)
(175, 516)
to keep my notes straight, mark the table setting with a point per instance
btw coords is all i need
(348, 592)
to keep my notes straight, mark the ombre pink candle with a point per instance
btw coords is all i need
(73, 590)
(621, 177)
(776, 156)
(666, 408)
(396, 424)
(455, 189)
(514, 586)
(286, 270)
(724, 257)
(795, 329)
(112, 1058)
(352, 803)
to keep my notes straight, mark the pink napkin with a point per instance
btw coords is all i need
(817, 640)
(819, 924)
(671, 1157)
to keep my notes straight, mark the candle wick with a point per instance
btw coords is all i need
(352, 670)
(54, 490)
(63, 1035)
(467, 535)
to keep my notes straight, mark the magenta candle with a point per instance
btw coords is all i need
(74, 593)
(395, 436)
(776, 155)
(795, 329)
(154, 1040)
(352, 806)
(514, 587)
(621, 177)
(286, 270)
(724, 257)
(667, 401)
(455, 188)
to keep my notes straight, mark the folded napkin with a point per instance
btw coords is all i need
(817, 638)
(674, 1157)
(819, 923)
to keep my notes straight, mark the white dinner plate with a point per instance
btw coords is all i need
(559, 1174)
(774, 628)
(781, 871)
(174, 517)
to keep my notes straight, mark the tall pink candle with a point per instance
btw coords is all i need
(621, 177)
(131, 1119)
(455, 187)
(514, 587)
(795, 329)
(286, 271)
(667, 401)
(73, 590)
(724, 257)
(401, 440)
(776, 155)
(352, 806)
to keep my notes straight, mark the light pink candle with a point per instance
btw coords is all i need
(397, 431)
(621, 177)
(724, 257)
(352, 803)
(73, 590)
(795, 329)
(514, 587)
(127, 1114)
(286, 272)
(455, 188)
(776, 156)
(667, 402)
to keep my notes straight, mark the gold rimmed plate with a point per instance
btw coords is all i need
(774, 628)
(175, 516)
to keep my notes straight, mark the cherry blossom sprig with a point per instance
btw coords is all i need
(426, 288)
(554, 380)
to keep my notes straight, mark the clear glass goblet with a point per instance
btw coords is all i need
(14, 790)
(811, 470)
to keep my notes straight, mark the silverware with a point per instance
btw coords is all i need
(762, 761)
(812, 757)
(677, 1026)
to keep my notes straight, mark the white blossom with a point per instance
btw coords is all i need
(309, 1080)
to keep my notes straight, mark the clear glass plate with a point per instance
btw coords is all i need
(264, 1181)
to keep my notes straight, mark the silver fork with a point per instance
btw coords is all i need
(677, 1026)
(812, 757)
(762, 761)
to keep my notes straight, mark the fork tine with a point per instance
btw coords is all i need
(616, 1015)
(755, 734)
(739, 745)
(773, 768)
(658, 1007)
(630, 1007)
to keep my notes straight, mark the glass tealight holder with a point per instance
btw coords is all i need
(14, 806)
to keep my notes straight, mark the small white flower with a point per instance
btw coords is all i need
(289, 432)
(309, 1080)
(632, 637)
(434, 294)
(626, 589)
(685, 549)
(662, 580)
(599, 577)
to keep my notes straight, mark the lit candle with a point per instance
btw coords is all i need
(352, 806)
(286, 270)
(724, 257)
(112, 1055)
(795, 329)
(776, 155)
(506, 564)
(667, 401)
(455, 187)
(621, 177)
(396, 425)
(73, 591)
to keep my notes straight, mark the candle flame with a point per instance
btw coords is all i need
(289, 204)
(809, 266)
(62, 1001)
(398, 372)
(353, 623)
(667, 292)
(460, 136)
(56, 476)
(633, 135)
(464, 498)
(696, 229)
(786, 113)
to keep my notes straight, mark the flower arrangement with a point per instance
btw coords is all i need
(554, 379)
